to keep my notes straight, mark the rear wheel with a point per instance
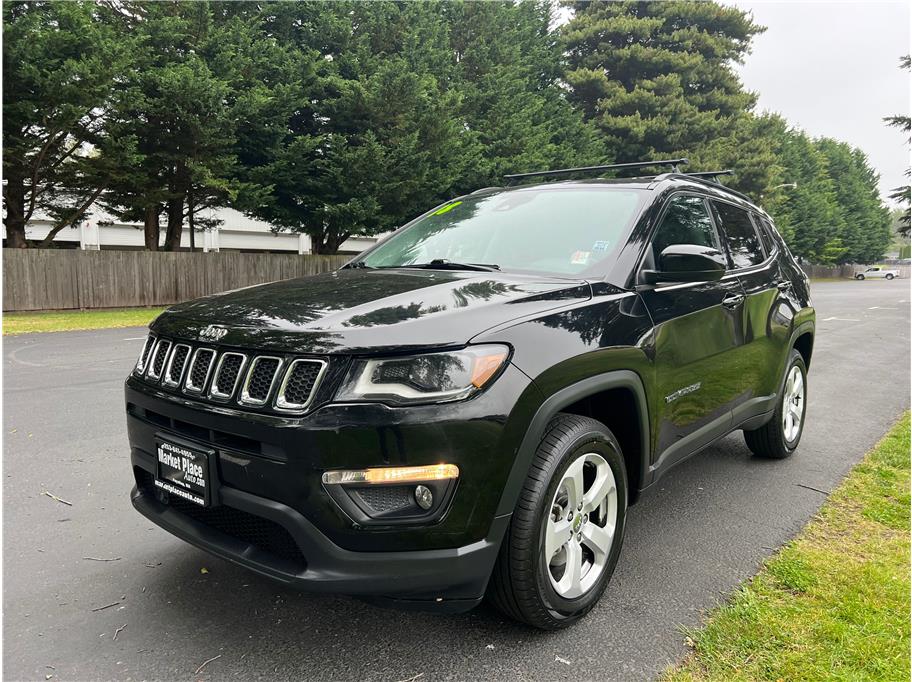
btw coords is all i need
(779, 437)
(889, 276)
(566, 532)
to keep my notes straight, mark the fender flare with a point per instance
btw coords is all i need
(554, 404)
(803, 328)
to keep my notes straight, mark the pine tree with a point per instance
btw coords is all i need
(657, 77)
(808, 214)
(865, 222)
(60, 61)
(903, 195)
(196, 77)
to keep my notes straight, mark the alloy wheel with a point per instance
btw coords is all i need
(579, 530)
(793, 404)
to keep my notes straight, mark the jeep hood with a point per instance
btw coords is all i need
(360, 311)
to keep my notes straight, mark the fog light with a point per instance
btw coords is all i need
(424, 497)
(434, 472)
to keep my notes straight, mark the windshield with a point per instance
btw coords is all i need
(560, 231)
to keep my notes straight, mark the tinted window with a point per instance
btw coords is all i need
(563, 231)
(743, 242)
(765, 228)
(685, 222)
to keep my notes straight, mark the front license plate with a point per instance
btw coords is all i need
(183, 471)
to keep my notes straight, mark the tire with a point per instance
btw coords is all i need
(859, 277)
(779, 437)
(889, 277)
(534, 587)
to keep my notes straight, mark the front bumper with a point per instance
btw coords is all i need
(445, 579)
(273, 515)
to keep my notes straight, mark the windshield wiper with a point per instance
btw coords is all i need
(357, 265)
(444, 264)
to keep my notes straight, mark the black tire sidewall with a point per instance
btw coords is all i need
(605, 445)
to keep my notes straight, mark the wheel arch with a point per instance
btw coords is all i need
(803, 342)
(592, 397)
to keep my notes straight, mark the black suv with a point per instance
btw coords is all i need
(470, 406)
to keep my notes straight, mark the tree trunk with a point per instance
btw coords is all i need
(151, 227)
(175, 224)
(327, 243)
(69, 220)
(190, 221)
(14, 195)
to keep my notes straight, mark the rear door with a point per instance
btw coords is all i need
(697, 332)
(765, 325)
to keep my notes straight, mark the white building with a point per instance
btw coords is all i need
(236, 233)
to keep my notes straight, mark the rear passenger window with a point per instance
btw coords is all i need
(743, 242)
(766, 232)
(686, 221)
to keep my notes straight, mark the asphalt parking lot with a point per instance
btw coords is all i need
(690, 541)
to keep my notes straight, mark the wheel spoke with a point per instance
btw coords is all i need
(556, 534)
(601, 487)
(598, 539)
(569, 585)
(573, 482)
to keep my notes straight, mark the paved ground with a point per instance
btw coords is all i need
(688, 543)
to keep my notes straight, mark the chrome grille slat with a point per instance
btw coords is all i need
(261, 377)
(159, 356)
(177, 363)
(145, 353)
(299, 385)
(200, 368)
(227, 371)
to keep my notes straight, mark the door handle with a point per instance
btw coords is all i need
(733, 301)
(784, 286)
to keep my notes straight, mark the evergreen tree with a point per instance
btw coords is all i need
(60, 61)
(864, 220)
(657, 77)
(507, 67)
(175, 100)
(807, 215)
(903, 195)
(407, 104)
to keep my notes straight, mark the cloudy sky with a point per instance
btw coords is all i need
(832, 69)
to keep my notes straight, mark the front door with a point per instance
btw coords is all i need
(697, 333)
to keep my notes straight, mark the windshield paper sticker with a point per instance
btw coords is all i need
(579, 258)
(600, 246)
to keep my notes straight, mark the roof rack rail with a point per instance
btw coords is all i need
(674, 163)
(710, 174)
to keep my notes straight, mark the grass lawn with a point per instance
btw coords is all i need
(833, 604)
(65, 320)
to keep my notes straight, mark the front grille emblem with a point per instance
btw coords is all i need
(212, 333)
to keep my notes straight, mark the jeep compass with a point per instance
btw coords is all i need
(469, 407)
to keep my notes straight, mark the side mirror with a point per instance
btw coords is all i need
(687, 263)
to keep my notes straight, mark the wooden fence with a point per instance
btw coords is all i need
(55, 279)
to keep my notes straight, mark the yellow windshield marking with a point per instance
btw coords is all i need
(448, 207)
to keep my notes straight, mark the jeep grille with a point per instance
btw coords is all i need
(264, 382)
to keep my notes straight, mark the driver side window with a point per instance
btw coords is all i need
(686, 221)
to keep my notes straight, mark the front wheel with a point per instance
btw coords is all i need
(779, 437)
(566, 532)
(859, 277)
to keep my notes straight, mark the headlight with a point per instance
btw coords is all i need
(429, 378)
